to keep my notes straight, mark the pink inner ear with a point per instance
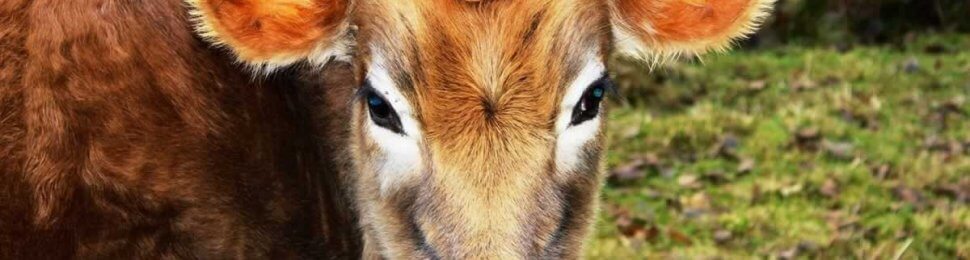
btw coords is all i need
(684, 20)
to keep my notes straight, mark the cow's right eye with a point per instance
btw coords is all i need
(588, 106)
(382, 113)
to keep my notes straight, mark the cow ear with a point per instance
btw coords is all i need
(275, 33)
(655, 30)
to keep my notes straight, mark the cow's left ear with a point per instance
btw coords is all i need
(655, 30)
(275, 33)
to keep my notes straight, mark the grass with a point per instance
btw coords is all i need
(792, 152)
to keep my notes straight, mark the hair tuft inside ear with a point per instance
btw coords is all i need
(661, 30)
(270, 34)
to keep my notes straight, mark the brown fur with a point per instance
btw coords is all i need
(123, 136)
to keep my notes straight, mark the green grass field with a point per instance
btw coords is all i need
(792, 152)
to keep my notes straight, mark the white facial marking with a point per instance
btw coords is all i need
(571, 139)
(401, 156)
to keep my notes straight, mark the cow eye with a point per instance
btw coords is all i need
(382, 113)
(588, 106)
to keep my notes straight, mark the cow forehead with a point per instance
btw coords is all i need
(493, 63)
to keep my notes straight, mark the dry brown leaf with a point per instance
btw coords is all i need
(757, 85)
(882, 171)
(808, 138)
(959, 192)
(803, 82)
(727, 147)
(841, 222)
(829, 188)
(757, 195)
(699, 200)
(911, 65)
(688, 181)
(716, 177)
(840, 150)
(722, 236)
(789, 253)
(746, 165)
(629, 172)
(910, 196)
(678, 236)
(791, 189)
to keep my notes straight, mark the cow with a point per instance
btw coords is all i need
(438, 129)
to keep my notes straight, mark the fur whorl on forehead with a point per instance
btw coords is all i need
(268, 34)
(658, 30)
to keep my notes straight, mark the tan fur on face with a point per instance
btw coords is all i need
(486, 80)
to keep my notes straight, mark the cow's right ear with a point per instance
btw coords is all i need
(275, 33)
(656, 30)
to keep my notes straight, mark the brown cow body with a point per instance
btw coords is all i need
(124, 136)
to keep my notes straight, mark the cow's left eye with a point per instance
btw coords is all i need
(588, 106)
(381, 112)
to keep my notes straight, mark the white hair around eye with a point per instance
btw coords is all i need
(400, 158)
(571, 138)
